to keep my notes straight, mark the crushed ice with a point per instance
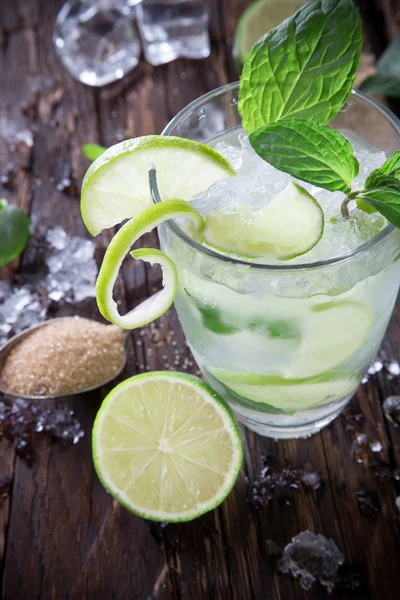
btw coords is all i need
(22, 420)
(71, 277)
(277, 481)
(72, 268)
(258, 182)
(311, 558)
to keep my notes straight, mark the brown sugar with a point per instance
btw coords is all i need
(66, 356)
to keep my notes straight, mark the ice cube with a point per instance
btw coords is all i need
(97, 42)
(171, 29)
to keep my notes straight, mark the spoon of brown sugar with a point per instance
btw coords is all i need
(61, 357)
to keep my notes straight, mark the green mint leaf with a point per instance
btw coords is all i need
(377, 179)
(388, 175)
(305, 67)
(309, 151)
(14, 232)
(387, 79)
(386, 201)
(391, 167)
(93, 151)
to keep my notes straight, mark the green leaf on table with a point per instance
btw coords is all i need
(305, 67)
(387, 79)
(385, 200)
(93, 151)
(14, 232)
(309, 151)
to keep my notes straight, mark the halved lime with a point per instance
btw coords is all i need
(290, 225)
(116, 185)
(258, 19)
(166, 446)
(333, 332)
(119, 247)
(289, 394)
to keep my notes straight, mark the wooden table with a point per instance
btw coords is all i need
(61, 535)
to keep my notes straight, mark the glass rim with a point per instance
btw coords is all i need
(225, 258)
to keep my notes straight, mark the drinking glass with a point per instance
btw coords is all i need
(249, 324)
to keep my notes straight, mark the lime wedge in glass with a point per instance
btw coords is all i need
(289, 394)
(332, 333)
(116, 185)
(166, 446)
(290, 225)
(257, 19)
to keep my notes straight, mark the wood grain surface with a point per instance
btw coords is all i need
(61, 536)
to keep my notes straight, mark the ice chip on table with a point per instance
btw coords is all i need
(57, 238)
(391, 409)
(312, 558)
(15, 132)
(19, 310)
(72, 268)
(257, 183)
(72, 272)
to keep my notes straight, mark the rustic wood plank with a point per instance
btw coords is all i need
(66, 538)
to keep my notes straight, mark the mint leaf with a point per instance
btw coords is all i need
(387, 79)
(386, 200)
(388, 175)
(14, 232)
(305, 67)
(391, 167)
(93, 151)
(376, 179)
(309, 151)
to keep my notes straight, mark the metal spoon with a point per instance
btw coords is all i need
(9, 345)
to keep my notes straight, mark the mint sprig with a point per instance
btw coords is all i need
(14, 232)
(309, 151)
(297, 78)
(304, 68)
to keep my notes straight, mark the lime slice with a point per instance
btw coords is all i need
(166, 446)
(257, 19)
(116, 185)
(156, 305)
(289, 394)
(333, 332)
(290, 225)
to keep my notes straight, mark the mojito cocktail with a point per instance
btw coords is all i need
(277, 202)
(285, 342)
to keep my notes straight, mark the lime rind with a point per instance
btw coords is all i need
(230, 424)
(119, 247)
(116, 185)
